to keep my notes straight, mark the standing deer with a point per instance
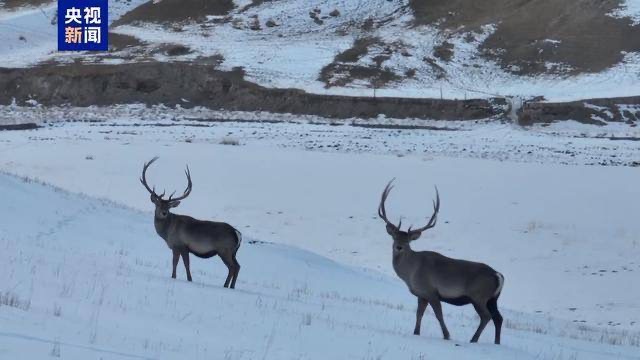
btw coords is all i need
(184, 234)
(434, 278)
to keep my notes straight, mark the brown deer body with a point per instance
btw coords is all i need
(184, 234)
(434, 278)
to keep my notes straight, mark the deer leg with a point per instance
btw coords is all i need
(185, 261)
(437, 310)
(422, 306)
(485, 316)
(492, 305)
(229, 265)
(176, 258)
(236, 270)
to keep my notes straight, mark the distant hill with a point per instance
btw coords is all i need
(561, 50)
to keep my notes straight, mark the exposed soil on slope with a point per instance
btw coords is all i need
(531, 33)
(255, 3)
(170, 11)
(346, 69)
(119, 42)
(344, 74)
(202, 85)
(590, 111)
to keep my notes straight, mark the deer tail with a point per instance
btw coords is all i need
(500, 278)
(239, 237)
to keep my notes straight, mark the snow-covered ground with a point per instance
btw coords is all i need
(566, 142)
(88, 279)
(564, 233)
(630, 9)
(29, 35)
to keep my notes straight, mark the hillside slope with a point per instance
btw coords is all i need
(88, 279)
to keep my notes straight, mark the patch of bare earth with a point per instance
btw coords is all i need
(175, 11)
(539, 36)
(119, 42)
(200, 84)
(131, 49)
(591, 111)
(255, 3)
(346, 67)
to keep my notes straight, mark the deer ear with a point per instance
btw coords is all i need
(414, 235)
(391, 230)
(153, 198)
(174, 203)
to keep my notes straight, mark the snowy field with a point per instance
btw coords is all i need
(89, 280)
(565, 142)
(564, 233)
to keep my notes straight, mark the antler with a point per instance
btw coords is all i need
(434, 217)
(187, 191)
(143, 179)
(382, 212)
(152, 191)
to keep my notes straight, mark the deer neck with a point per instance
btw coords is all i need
(402, 261)
(162, 225)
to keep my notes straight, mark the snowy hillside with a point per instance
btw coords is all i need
(29, 34)
(630, 9)
(405, 48)
(565, 236)
(87, 279)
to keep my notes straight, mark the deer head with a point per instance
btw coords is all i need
(164, 205)
(400, 237)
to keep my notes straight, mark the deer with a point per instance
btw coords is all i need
(185, 235)
(434, 278)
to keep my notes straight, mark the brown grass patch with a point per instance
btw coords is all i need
(172, 11)
(344, 74)
(359, 49)
(589, 40)
(119, 42)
